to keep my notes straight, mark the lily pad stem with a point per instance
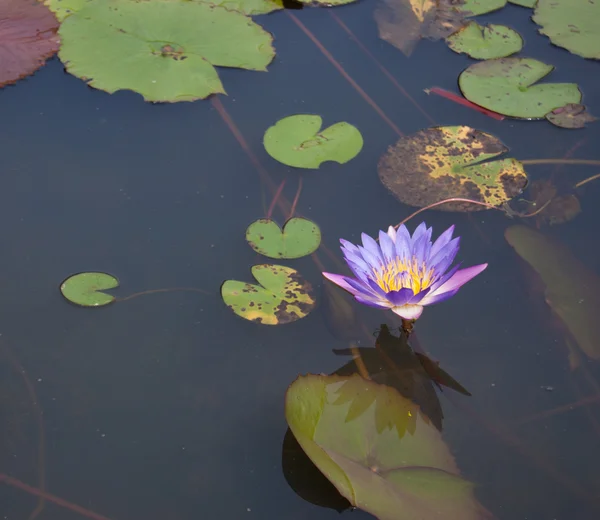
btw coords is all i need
(591, 162)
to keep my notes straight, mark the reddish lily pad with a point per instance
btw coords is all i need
(572, 115)
(28, 37)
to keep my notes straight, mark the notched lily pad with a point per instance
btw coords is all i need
(447, 161)
(85, 289)
(28, 37)
(299, 237)
(572, 115)
(484, 43)
(507, 86)
(164, 50)
(284, 296)
(379, 454)
(299, 141)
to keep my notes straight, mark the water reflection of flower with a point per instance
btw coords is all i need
(404, 273)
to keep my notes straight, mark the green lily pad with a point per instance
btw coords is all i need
(477, 7)
(383, 458)
(63, 8)
(84, 289)
(326, 3)
(570, 116)
(298, 141)
(572, 290)
(524, 3)
(571, 24)
(284, 296)
(447, 161)
(250, 7)
(165, 50)
(299, 237)
(484, 43)
(506, 86)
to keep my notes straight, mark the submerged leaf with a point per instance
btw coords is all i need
(507, 86)
(484, 43)
(27, 38)
(378, 454)
(557, 209)
(284, 296)
(443, 162)
(299, 237)
(165, 50)
(570, 116)
(299, 141)
(403, 23)
(571, 24)
(571, 289)
(85, 289)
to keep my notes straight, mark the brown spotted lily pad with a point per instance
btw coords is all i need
(282, 296)
(27, 38)
(572, 115)
(451, 161)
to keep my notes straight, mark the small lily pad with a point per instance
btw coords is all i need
(570, 116)
(477, 7)
(284, 296)
(299, 237)
(380, 454)
(85, 289)
(571, 24)
(298, 141)
(484, 43)
(448, 161)
(506, 86)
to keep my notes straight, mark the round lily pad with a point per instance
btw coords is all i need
(448, 161)
(506, 86)
(570, 116)
(299, 237)
(571, 24)
(63, 8)
(166, 50)
(377, 448)
(284, 296)
(298, 141)
(85, 289)
(484, 43)
(251, 7)
(524, 3)
(28, 37)
(477, 7)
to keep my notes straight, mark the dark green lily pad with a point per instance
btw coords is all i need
(326, 3)
(166, 50)
(571, 24)
(570, 116)
(85, 289)
(299, 141)
(506, 86)
(447, 161)
(284, 296)
(250, 7)
(524, 3)
(477, 7)
(484, 43)
(299, 237)
(572, 290)
(382, 458)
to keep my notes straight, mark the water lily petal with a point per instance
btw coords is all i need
(400, 297)
(459, 278)
(371, 246)
(419, 232)
(419, 297)
(432, 298)
(408, 312)
(403, 243)
(387, 247)
(364, 289)
(374, 261)
(445, 256)
(340, 280)
(392, 233)
(418, 249)
(373, 303)
(442, 240)
(349, 246)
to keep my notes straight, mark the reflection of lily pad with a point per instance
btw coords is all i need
(570, 116)
(298, 141)
(571, 24)
(284, 296)
(572, 290)
(166, 50)
(27, 38)
(477, 7)
(84, 289)
(484, 43)
(299, 237)
(443, 162)
(506, 86)
(385, 459)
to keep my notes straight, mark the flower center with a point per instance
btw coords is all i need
(403, 274)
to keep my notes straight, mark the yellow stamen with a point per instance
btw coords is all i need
(401, 274)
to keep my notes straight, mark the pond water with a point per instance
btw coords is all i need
(168, 406)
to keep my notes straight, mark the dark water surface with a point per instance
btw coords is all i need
(170, 407)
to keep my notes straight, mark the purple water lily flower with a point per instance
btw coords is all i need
(404, 273)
